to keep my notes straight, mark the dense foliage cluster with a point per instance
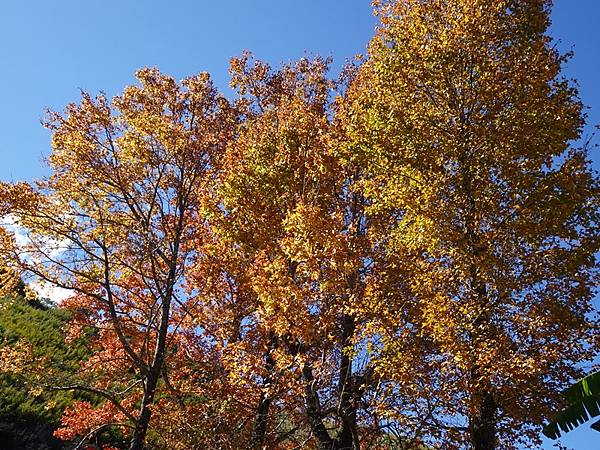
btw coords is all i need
(402, 258)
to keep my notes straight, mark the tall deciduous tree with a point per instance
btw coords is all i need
(295, 219)
(465, 125)
(113, 224)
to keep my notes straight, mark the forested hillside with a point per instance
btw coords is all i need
(28, 415)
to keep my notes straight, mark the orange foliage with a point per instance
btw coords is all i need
(404, 256)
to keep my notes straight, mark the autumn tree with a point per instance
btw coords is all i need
(113, 223)
(466, 129)
(295, 222)
(402, 258)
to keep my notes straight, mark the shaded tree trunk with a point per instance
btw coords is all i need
(482, 427)
(313, 410)
(347, 391)
(141, 427)
(158, 359)
(262, 412)
(150, 384)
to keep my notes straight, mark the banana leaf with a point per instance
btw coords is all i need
(584, 404)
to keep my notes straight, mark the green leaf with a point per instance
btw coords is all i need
(584, 399)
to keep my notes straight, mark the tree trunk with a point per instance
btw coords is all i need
(313, 410)
(153, 375)
(262, 412)
(260, 426)
(347, 391)
(482, 426)
(141, 427)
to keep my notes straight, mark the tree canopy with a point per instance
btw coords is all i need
(402, 257)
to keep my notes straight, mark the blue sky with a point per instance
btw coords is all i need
(51, 50)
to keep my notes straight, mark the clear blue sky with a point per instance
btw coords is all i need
(51, 49)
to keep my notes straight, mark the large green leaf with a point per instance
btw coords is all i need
(584, 404)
